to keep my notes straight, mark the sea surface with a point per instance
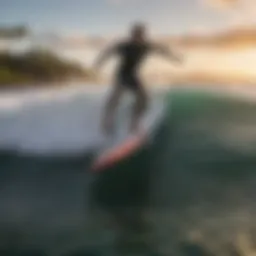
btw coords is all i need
(191, 190)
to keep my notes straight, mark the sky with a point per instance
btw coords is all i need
(97, 17)
(77, 19)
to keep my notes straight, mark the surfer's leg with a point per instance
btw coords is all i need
(140, 106)
(110, 109)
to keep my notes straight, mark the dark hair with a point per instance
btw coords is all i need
(138, 27)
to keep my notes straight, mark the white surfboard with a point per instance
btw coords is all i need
(124, 144)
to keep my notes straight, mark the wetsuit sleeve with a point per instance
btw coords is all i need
(106, 54)
(164, 51)
(156, 48)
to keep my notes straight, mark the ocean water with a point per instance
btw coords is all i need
(190, 191)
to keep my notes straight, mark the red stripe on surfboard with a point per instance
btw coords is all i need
(118, 153)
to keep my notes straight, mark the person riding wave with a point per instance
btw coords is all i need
(132, 53)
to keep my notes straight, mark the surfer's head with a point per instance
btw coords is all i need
(138, 31)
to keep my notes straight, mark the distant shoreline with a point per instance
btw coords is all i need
(38, 68)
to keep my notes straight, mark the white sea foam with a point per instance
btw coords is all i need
(57, 120)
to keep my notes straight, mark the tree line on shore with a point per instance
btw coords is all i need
(36, 66)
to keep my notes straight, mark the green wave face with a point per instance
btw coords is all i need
(191, 189)
(204, 146)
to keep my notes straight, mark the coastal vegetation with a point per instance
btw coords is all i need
(37, 66)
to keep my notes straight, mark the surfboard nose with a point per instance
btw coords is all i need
(119, 152)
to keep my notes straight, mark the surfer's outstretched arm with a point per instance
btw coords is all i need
(104, 56)
(167, 53)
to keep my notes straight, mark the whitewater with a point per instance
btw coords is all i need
(194, 184)
(61, 120)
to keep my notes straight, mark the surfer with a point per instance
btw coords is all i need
(132, 52)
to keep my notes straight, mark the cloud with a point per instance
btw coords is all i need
(244, 14)
(222, 3)
(236, 37)
(238, 12)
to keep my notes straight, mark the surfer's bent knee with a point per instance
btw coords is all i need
(143, 99)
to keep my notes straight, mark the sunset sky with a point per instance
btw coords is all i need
(112, 16)
(234, 54)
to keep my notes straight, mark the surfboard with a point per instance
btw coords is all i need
(119, 152)
(125, 144)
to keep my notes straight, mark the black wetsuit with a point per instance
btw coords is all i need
(131, 56)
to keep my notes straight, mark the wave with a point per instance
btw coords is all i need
(195, 179)
(65, 121)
